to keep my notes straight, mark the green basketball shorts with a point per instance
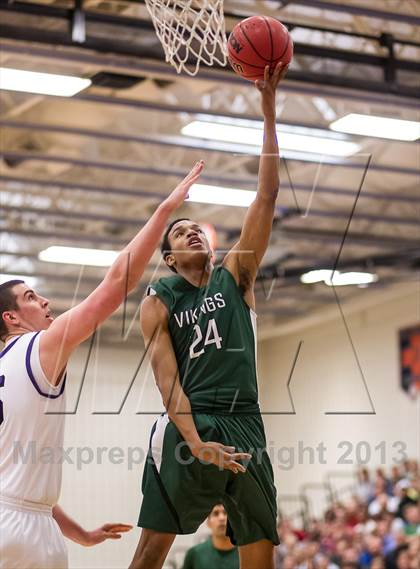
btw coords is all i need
(179, 491)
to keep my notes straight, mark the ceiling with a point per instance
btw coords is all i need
(88, 171)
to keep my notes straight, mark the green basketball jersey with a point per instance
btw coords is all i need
(213, 333)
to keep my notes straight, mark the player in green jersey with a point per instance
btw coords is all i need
(199, 326)
(217, 550)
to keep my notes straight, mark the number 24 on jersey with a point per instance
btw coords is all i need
(212, 337)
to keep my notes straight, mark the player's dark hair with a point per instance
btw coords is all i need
(165, 247)
(7, 302)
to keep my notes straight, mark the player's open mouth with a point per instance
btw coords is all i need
(194, 241)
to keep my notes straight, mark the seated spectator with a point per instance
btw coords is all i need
(372, 547)
(411, 517)
(365, 488)
(379, 528)
(398, 559)
(377, 563)
(217, 551)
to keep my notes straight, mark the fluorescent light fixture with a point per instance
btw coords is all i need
(250, 133)
(338, 279)
(221, 196)
(78, 256)
(351, 278)
(30, 281)
(316, 276)
(381, 127)
(41, 83)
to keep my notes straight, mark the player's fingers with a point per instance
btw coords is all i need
(195, 175)
(110, 535)
(198, 166)
(283, 72)
(228, 449)
(236, 467)
(279, 67)
(266, 73)
(118, 527)
(259, 84)
(231, 460)
(241, 456)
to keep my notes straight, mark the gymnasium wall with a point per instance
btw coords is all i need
(103, 483)
(330, 400)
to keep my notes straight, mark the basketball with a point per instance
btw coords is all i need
(256, 42)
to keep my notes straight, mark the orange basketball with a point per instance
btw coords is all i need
(256, 42)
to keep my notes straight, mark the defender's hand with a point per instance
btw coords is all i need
(180, 193)
(268, 86)
(107, 531)
(224, 457)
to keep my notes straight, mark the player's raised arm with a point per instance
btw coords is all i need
(154, 326)
(76, 325)
(245, 257)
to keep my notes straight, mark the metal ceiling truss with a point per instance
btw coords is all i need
(390, 64)
(136, 65)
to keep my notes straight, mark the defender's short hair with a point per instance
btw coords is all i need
(7, 302)
(165, 247)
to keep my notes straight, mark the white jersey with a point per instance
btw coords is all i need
(31, 425)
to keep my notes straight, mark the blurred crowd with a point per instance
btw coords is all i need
(377, 528)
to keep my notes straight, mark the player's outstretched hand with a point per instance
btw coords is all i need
(268, 86)
(107, 531)
(180, 193)
(221, 456)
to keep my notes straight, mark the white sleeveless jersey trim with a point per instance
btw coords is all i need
(9, 346)
(32, 429)
(36, 373)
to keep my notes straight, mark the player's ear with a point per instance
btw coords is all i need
(170, 260)
(9, 318)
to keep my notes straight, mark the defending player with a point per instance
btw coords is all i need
(32, 381)
(200, 328)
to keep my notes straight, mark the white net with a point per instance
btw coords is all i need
(190, 31)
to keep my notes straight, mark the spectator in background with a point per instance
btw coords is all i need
(381, 531)
(411, 519)
(407, 493)
(365, 488)
(398, 559)
(377, 563)
(217, 551)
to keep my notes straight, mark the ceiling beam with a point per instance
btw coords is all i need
(294, 233)
(123, 191)
(213, 75)
(154, 52)
(20, 156)
(285, 215)
(108, 18)
(360, 10)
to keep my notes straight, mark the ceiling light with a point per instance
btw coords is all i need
(338, 279)
(381, 127)
(315, 276)
(78, 256)
(351, 278)
(41, 83)
(221, 196)
(250, 133)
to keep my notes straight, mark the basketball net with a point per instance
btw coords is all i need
(190, 31)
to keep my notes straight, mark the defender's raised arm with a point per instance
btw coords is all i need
(76, 325)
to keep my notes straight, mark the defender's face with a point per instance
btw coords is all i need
(188, 243)
(217, 521)
(33, 310)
